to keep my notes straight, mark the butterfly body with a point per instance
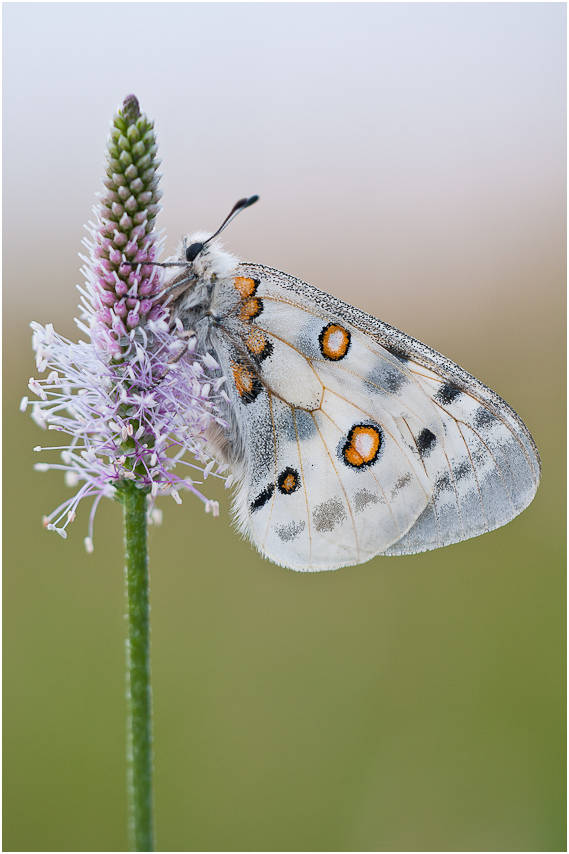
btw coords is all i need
(347, 437)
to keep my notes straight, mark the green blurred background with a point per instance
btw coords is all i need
(411, 159)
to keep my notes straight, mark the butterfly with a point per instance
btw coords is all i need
(347, 438)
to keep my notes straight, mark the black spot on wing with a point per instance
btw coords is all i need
(483, 418)
(262, 497)
(447, 393)
(442, 484)
(463, 470)
(385, 377)
(426, 441)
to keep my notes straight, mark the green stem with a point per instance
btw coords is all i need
(139, 695)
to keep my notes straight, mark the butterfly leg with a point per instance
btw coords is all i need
(185, 337)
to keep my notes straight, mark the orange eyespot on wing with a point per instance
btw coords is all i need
(245, 286)
(288, 481)
(258, 344)
(362, 446)
(247, 385)
(334, 342)
(251, 308)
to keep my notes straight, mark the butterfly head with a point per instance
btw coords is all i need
(204, 258)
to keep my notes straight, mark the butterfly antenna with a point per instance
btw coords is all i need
(236, 209)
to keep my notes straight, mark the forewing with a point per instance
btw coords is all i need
(363, 441)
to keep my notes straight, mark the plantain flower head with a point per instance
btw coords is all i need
(132, 399)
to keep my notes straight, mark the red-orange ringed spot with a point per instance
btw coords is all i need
(334, 342)
(362, 445)
(288, 481)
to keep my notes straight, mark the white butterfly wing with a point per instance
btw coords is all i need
(362, 441)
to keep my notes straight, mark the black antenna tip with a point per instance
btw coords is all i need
(237, 208)
(244, 203)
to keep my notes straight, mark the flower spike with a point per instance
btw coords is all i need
(132, 399)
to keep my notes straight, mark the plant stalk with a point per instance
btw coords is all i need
(139, 693)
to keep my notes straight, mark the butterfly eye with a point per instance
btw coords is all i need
(193, 251)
